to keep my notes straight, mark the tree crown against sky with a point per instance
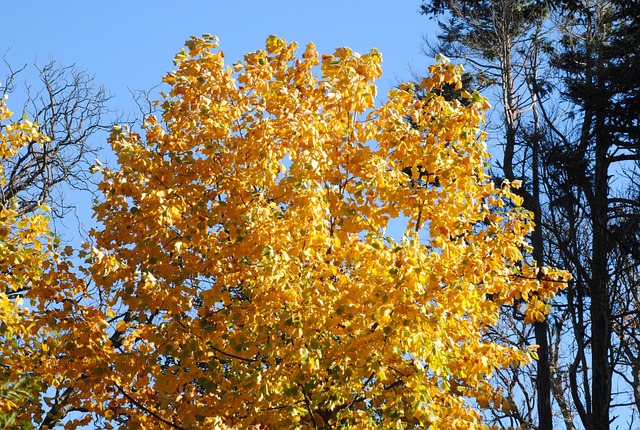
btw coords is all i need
(243, 270)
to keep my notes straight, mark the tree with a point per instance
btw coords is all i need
(45, 151)
(37, 289)
(19, 259)
(69, 109)
(501, 41)
(277, 251)
(599, 50)
(573, 135)
(245, 256)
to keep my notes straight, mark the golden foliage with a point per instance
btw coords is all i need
(46, 327)
(277, 251)
(246, 236)
(22, 240)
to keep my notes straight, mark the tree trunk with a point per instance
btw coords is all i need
(541, 329)
(600, 312)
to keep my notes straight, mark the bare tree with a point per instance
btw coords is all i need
(69, 108)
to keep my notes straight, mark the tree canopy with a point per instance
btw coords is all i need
(279, 250)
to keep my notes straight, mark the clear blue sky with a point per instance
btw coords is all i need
(131, 44)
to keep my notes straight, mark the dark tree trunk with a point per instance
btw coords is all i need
(600, 309)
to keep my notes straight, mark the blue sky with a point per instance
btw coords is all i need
(131, 44)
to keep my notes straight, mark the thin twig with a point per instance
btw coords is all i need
(145, 409)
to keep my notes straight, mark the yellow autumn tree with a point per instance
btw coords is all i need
(21, 259)
(49, 321)
(277, 250)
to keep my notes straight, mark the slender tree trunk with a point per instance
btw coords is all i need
(600, 309)
(635, 370)
(541, 329)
